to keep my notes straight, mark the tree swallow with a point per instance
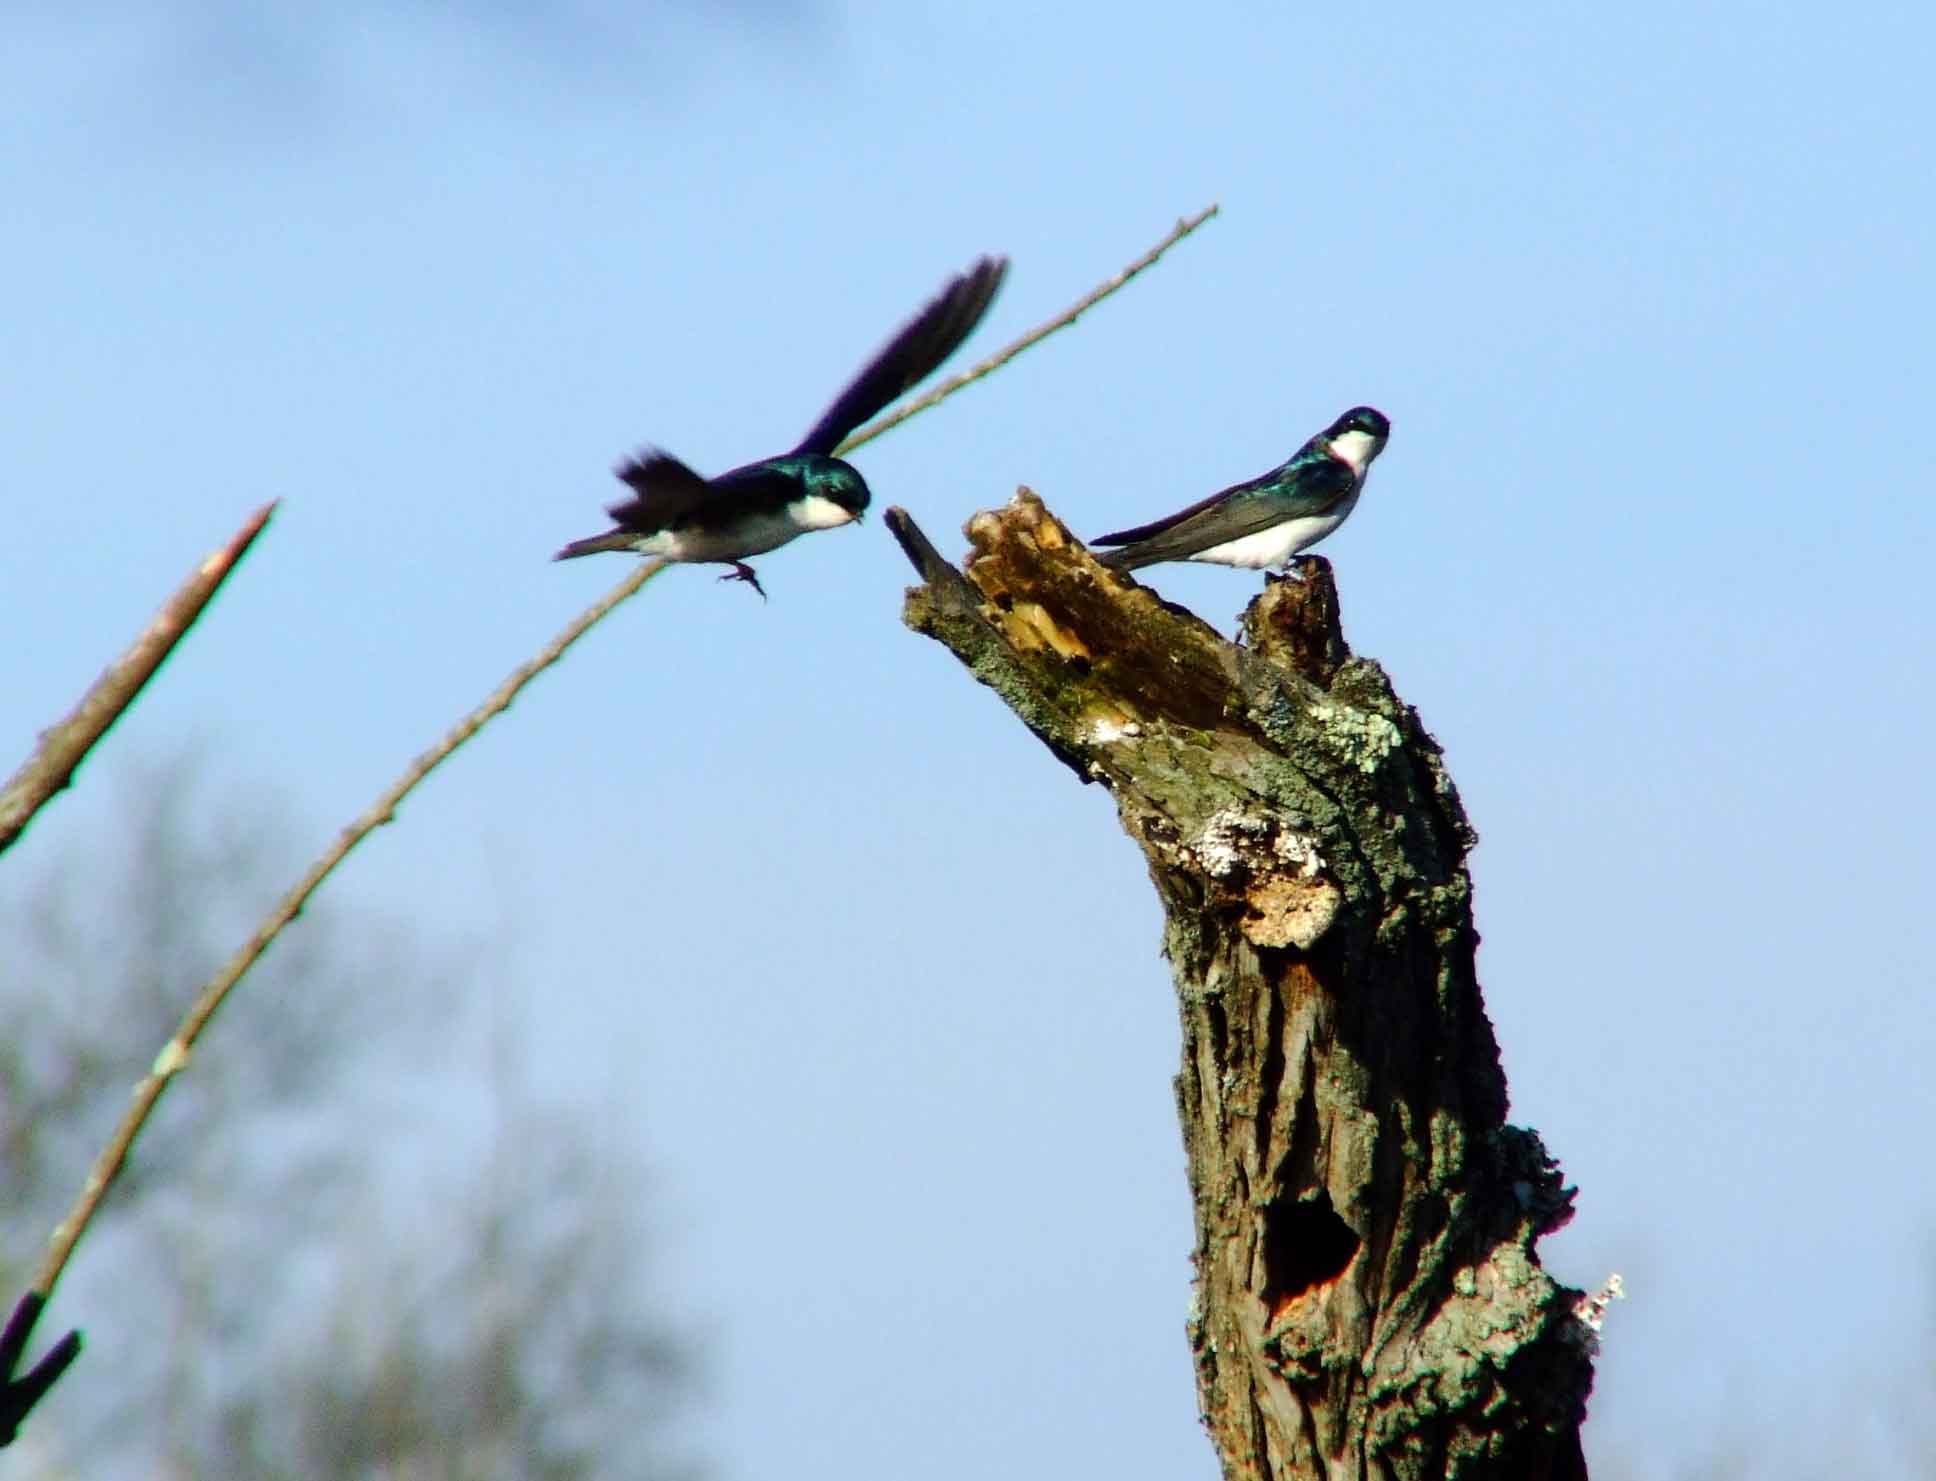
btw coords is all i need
(678, 515)
(1266, 521)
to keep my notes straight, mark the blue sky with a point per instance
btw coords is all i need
(1646, 294)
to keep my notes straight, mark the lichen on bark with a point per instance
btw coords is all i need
(1369, 1300)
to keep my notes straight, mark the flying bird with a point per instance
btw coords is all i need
(676, 514)
(1267, 520)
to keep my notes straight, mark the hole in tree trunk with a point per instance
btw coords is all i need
(1305, 1245)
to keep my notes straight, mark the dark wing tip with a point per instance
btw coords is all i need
(1124, 559)
(967, 299)
(914, 354)
(977, 289)
(1143, 532)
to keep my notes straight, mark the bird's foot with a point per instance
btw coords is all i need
(743, 572)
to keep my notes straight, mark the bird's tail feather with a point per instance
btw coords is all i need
(593, 545)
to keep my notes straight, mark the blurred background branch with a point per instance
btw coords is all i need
(362, 1243)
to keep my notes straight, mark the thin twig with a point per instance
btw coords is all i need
(174, 1054)
(1041, 332)
(62, 748)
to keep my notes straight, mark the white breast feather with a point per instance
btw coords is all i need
(754, 535)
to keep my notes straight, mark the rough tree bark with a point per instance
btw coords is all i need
(1368, 1301)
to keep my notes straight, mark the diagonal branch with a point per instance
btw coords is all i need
(51, 768)
(174, 1054)
(1035, 336)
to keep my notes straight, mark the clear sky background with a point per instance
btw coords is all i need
(1646, 291)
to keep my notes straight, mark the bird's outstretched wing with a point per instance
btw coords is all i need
(664, 492)
(1230, 514)
(912, 355)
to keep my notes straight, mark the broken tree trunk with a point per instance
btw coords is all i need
(1368, 1300)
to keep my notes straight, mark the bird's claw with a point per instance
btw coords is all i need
(743, 572)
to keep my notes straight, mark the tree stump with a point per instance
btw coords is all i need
(1368, 1299)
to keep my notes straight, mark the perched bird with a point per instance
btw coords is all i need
(677, 514)
(1266, 521)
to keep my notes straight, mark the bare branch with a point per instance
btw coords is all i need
(174, 1054)
(1041, 332)
(51, 768)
